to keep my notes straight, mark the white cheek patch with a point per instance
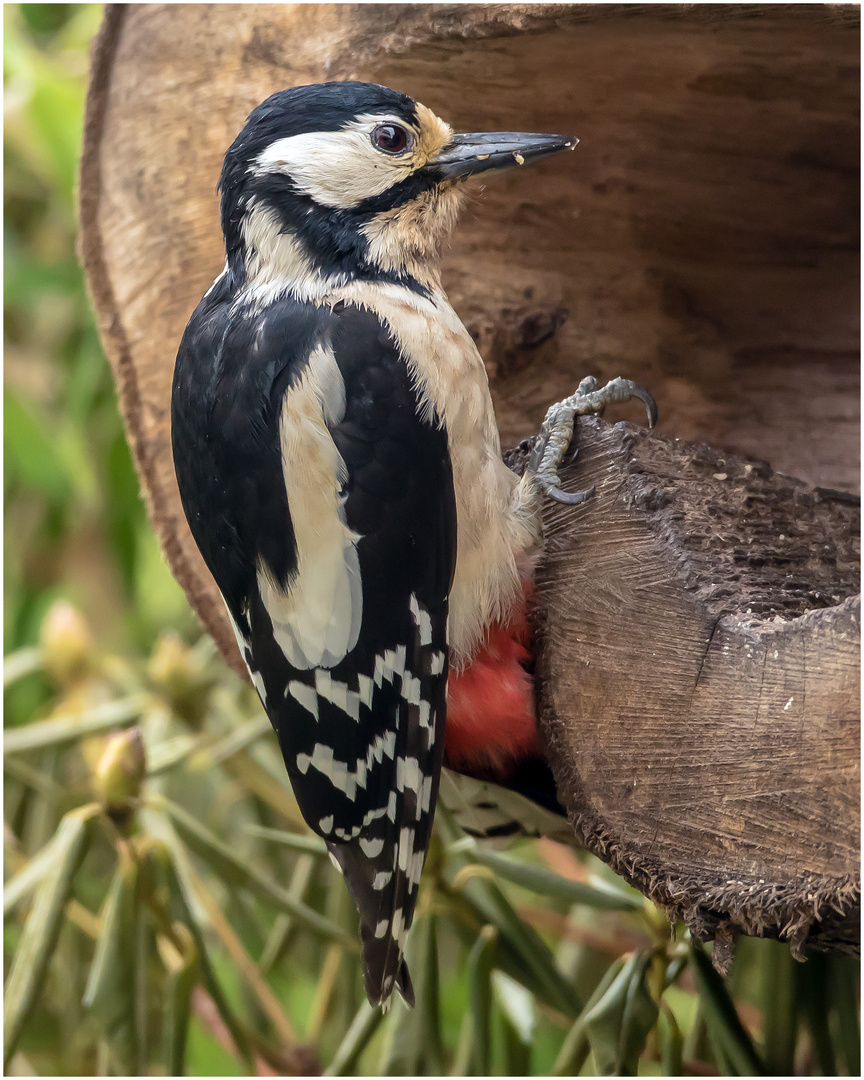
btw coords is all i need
(316, 620)
(336, 168)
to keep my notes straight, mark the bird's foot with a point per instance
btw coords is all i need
(556, 432)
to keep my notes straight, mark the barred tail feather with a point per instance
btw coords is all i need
(386, 915)
(382, 965)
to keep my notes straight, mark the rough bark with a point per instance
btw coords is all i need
(703, 240)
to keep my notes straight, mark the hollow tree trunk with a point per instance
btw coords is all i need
(698, 662)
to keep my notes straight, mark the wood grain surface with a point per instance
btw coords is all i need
(699, 675)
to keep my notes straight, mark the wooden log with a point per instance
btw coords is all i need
(699, 680)
(703, 240)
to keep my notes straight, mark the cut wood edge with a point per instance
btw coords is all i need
(199, 590)
(815, 910)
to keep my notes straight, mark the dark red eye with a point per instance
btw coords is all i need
(390, 138)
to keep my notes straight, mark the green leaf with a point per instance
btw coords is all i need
(179, 955)
(779, 1009)
(576, 1047)
(170, 753)
(548, 883)
(29, 876)
(462, 1057)
(816, 989)
(519, 1017)
(237, 871)
(64, 729)
(284, 927)
(113, 980)
(671, 1043)
(517, 1054)
(846, 993)
(362, 1028)
(30, 454)
(517, 1004)
(522, 953)
(618, 1024)
(309, 845)
(23, 662)
(414, 1044)
(732, 1044)
(480, 964)
(181, 890)
(239, 739)
(30, 963)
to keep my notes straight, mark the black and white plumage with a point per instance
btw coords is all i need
(339, 466)
(354, 678)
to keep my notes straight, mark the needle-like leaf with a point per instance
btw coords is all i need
(18, 664)
(28, 877)
(179, 955)
(362, 1028)
(112, 982)
(728, 1035)
(575, 1048)
(63, 729)
(311, 845)
(548, 883)
(414, 1044)
(671, 1043)
(235, 870)
(36, 946)
(480, 964)
(779, 1009)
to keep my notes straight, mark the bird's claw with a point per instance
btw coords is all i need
(556, 432)
(570, 498)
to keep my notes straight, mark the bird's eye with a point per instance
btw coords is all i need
(390, 138)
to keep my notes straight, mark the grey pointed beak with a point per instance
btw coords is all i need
(478, 152)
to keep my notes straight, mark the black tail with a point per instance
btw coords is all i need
(381, 966)
(385, 917)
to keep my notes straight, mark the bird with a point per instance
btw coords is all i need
(340, 469)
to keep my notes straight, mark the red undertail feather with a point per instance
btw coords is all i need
(491, 720)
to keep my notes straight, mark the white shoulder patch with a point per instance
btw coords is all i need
(316, 621)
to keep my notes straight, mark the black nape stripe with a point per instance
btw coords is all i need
(332, 237)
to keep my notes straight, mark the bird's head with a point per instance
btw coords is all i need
(350, 180)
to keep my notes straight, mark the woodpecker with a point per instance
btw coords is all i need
(339, 466)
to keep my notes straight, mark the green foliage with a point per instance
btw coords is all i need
(167, 910)
(210, 934)
(75, 524)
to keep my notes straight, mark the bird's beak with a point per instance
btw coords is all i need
(466, 155)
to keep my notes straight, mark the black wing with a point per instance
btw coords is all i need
(362, 738)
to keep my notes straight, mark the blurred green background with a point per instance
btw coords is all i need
(75, 524)
(166, 909)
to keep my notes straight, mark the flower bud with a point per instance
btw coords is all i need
(180, 676)
(66, 642)
(121, 770)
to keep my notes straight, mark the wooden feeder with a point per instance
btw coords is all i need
(698, 619)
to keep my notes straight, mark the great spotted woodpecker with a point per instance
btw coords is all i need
(340, 469)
